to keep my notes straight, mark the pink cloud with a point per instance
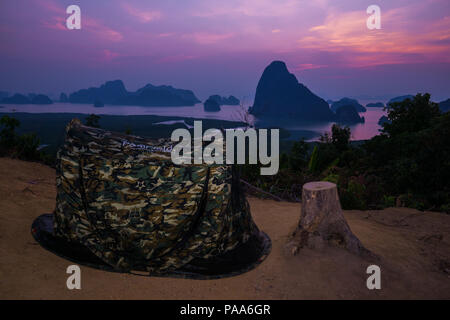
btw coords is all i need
(346, 33)
(208, 38)
(252, 8)
(176, 58)
(51, 6)
(167, 34)
(108, 55)
(308, 66)
(56, 23)
(93, 26)
(100, 30)
(143, 16)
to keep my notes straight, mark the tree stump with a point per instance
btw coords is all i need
(322, 222)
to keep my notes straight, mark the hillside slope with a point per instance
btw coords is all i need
(414, 247)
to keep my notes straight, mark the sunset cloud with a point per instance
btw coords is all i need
(346, 32)
(100, 30)
(143, 16)
(308, 66)
(207, 38)
(91, 25)
(108, 55)
(166, 34)
(251, 8)
(51, 6)
(56, 23)
(176, 58)
(326, 43)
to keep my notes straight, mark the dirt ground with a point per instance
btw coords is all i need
(414, 248)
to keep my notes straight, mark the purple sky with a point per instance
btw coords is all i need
(222, 47)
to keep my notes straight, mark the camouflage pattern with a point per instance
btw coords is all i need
(124, 199)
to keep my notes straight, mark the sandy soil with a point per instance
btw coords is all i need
(414, 249)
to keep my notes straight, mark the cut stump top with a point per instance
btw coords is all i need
(319, 185)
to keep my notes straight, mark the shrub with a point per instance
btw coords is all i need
(24, 147)
(27, 147)
(8, 135)
(298, 157)
(388, 201)
(93, 121)
(353, 196)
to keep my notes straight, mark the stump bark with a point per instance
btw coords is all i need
(322, 222)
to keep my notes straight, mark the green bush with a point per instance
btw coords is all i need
(8, 137)
(410, 158)
(312, 165)
(93, 121)
(353, 196)
(25, 146)
(298, 157)
(388, 201)
(445, 208)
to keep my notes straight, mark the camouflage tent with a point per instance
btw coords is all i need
(123, 205)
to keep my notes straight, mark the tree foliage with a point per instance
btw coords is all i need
(23, 146)
(8, 136)
(408, 164)
(93, 121)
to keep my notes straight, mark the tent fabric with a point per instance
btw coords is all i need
(243, 258)
(123, 199)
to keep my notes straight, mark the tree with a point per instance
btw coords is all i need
(93, 121)
(298, 157)
(340, 137)
(24, 146)
(411, 156)
(27, 147)
(312, 165)
(7, 133)
(411, 116)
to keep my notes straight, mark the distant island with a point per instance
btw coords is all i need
(98, 104)
(279, 94)
(345, 102)
(31, 99)
(445, 105)
(383, 120)
(224, 101)
(348, 114)
(400, 99)
(3, 94)
(63, 98)
(41, 99)
(16, 99)
(211, 105)
(375, 105)
(114, 92)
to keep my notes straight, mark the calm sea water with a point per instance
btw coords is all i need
(360, 131)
